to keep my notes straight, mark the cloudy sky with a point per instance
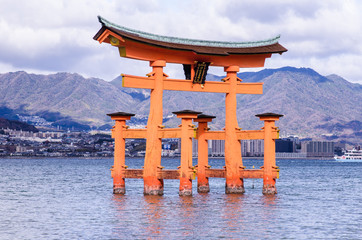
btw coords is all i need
(47, 36)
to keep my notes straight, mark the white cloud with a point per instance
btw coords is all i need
(51, 36)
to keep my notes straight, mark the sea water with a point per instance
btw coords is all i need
(72, 199)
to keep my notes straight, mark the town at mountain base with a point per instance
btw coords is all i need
(315, 106)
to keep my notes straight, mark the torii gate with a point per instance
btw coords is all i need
(196, 56)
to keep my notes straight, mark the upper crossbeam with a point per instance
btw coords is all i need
(131, 81)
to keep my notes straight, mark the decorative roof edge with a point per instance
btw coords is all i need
(187, 41)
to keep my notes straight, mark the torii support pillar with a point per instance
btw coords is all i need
(269, 152)
(186, 170)
(117, 170)
(233, 161)
(153, 185)
(203, 153)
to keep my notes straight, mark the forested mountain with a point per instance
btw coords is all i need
(313, 105)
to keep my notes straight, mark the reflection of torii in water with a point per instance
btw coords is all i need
(196, 56)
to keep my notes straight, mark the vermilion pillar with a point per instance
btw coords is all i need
(203, 153)
(153, 185)
(119, 151)
(233, 160)
(269, 152)
(186, 151)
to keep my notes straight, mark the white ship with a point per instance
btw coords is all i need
(354, 155)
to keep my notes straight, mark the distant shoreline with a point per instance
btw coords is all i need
(79, 157)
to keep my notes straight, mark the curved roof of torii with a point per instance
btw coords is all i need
(198, 46)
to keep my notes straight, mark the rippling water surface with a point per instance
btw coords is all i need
(72, 199)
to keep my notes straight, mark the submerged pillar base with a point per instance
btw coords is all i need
(119, 185)
(234, 186)
(153, 186)
(203, 188)
(152, 191)
(185, 192)
(202, 183)
(185, 187)
(269, 185)
(269, 189)
(234, 189)
(119, 190)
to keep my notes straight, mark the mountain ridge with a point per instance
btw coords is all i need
(311, 103)
(16, 125)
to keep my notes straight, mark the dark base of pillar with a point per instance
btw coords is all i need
(158, 192)
(185, 192)
(153, 186)
(203, 189)
(269, 189)
(185, 187)
(153, 190)
(234, 189)
(119, 185)
(119, 190)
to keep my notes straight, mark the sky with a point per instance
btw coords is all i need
(49, 36)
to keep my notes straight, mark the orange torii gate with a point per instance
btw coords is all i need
(196, 56)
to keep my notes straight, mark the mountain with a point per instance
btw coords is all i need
(137, 94)
(310, 102)
(16, 125)
(325, 107)
(83, 100)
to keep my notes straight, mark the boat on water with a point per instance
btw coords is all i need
(354, 155)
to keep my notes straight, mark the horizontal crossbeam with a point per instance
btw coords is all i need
(134, 133)
(209, 135)
(212, 173)
(241, 135)
(244, 173)
(161, 174)
(162, 133)
(172, 133)
(187, 85)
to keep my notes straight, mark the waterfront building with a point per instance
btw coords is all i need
(249, 148)
(291, 155)
(318, 148)
(217, 148)
(285, 145)
(252, 148)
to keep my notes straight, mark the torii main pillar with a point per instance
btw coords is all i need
(153, 185)
(233, 161)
